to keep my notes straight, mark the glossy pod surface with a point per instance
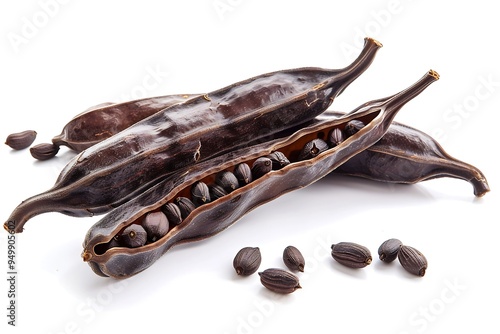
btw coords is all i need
(209, 219)
(114, 170)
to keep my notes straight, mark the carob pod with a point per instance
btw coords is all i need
(407, 155)
(104, 120)
(121, 167)
(214, 217)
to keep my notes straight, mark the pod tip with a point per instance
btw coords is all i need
(86, 256)
(373, 40)
(433, 74)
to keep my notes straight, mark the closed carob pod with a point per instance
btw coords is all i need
(109, 259)
(123, 166)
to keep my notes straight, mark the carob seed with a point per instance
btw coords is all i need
(278, 159)
(243, 173)
(412, 260)
(21, 140)
(335, 137)
(388, 250)
(313, 149)
(133, 236)
(261, 166)
(227, 181)
(293, 258)
(216, 191)
(44, 151)
(185, 206)
(156, 225)
(279, 280)
(351, 254)
(173, 213)
(200, 193)
(247, 261)
(353, 126)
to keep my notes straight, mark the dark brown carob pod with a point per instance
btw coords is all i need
(20, 140)
(247, 261)
(112, 172)
(279, 280)
(351, 254)
(293, 258)
(412, 260)
(388, 250)
(212, 218)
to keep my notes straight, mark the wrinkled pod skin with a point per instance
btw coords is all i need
(113, 171)
(212, 218)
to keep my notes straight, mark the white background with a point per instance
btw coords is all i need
(60, 57)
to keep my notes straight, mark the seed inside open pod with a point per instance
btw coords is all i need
(133, 236)
(156, 225)
(227, 181)
(278, 159)
(261, 166)
(185, 206)
(216, 191)
(200, 193)
(313, 149)
(173, 213)
(243, 173)
(335, 137)
(353, 126)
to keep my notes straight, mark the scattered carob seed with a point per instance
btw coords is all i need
(412, 260)
(388, 250)
(247, 261)
(279, 280)
(44, 151)
(351, 254)
(293, 259)
(21, 140)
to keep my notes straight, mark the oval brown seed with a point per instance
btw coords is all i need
(261, 166)
(353, 126)
(216, 191)
(279, 280)
(412, 260)
(21, 140)
(351, 254)
(388, 250)
(243, 173)
(313, 149)
(335, 137)
(185, 206)
(293, 258)
(44, 151)
(278, 160)
(156, 225)
(133, 236)
(200, 193)
(227, 181)
(173, 213)
(247, 261)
